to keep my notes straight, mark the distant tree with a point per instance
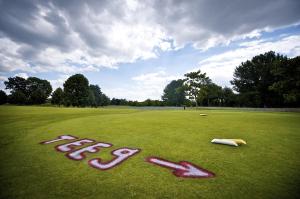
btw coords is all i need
(95, 97)
(32, 90)
(287, 84)
(253, 79)
(17, 84)
(105, 101)
(3, 97)
(194, 82)
(133, 103)
(174, 94)
(148, 102)
(92, 99)
(57, 97)
(76, 90)
(116, 101)
(18, 90)
(17, 97)
(210, 94)
(229, 97)
(38, 90)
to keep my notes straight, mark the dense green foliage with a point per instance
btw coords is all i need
(17, 97)
(268, 80)
(96, 97)
(57, 97)
(174, 94)
(267, 167)
(28, 91)
(287, 83)
(3, 97)
(38, 90)
(104, 100)
(194, 83)
(76, 91)
(147, 102)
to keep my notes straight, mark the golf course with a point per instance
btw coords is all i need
(266, 167)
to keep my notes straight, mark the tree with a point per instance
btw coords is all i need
(174, 94)
(210, 94)
(17, 97)
(229, 98)
(76, 90)
(253, 79)
(194, 82)
(91, 99)
(3, 97)
(95, 96)
(57, 97)
(105, 101)
(38, 90)
(16, 84)
(32, 90)
(287, 85)
(116, 101)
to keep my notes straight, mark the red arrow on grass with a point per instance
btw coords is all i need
(182, 169)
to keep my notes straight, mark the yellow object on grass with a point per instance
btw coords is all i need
(239, 141)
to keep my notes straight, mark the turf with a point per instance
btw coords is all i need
(267, 167)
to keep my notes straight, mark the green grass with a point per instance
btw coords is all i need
(268, 167)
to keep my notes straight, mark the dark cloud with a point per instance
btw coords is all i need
(67, 25)
(19, 21)
(226, 18)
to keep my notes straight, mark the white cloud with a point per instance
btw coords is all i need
(64, 37)
(220, 67)
(149, 85)
(24, 75)
(3, 78)
(55, 83)
(60, 41)
(2, 86)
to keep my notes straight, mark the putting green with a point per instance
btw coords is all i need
(267, 167)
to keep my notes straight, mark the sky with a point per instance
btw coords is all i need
(133, 49)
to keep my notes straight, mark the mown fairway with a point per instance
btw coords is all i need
(268, 167)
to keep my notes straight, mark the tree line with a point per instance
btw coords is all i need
(76, 92)
(267, 80)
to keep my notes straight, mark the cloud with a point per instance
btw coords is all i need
(3, 78)
(212, 22)
(68, 36)
(55, 83)
(220, 67)
(24, 75)
(145, 86)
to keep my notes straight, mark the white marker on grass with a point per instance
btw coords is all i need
(69, 146)
(60, 138)
(120, 155)
(79, 154)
